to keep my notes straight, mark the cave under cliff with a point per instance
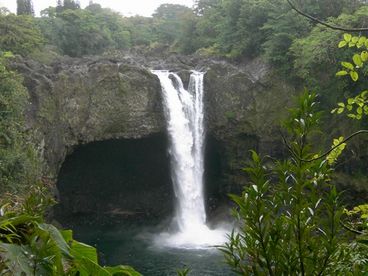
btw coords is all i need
(124, 179)
(116, 179)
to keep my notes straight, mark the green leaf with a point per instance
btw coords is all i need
(360, 110)
(347, 37)
(362, 40)
(22, 219)
(341, 104)
(55, 236)
(8, 55)
(351, 44)
(355, 39)
(363, 240)
(255, 156)
(332, 157)
(80, 250)
(357, 60)
(86, 267)
(340, 110)
(354, 75)
(67, 235)
(347, 65)
(366, 109)
(341, 73)
(350, 101)
(342, 44)
(364, 56)
(16, 259)
(236, 199)
(122, 270)
(87, 261)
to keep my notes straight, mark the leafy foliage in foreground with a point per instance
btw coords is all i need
(355, 106)
(289, 214)
(356, 220)
(30, 246)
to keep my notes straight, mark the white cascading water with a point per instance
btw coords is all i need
(184, 115)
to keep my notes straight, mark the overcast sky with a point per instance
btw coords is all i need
(125, 7)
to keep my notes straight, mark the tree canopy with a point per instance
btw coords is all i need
(25, 7)
(19, 34)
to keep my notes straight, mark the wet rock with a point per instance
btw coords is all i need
(78, 101)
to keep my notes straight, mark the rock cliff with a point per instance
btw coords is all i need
(79, 101)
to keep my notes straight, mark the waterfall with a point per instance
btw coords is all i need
(184, 116)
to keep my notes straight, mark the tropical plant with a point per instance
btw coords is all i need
(357, 106)
(30, 246)
(289, 213)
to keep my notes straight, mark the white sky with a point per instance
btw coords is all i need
(125, 7)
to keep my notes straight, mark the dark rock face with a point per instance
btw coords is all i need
(244, 109)
(78, 101)
(117, 179)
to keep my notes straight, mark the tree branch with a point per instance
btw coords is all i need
(314, 19)
(338, 145)
(351, 229)
(327, 152)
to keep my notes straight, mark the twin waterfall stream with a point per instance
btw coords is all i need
(184, 116)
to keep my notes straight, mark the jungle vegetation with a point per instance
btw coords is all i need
(300, 225)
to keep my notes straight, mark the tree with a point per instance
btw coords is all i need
(4, 11)
(67, 4)
(25, 7)
(188, 39)
(289, 213)
(167, 18)
(19, 34)
(356, 5)
(202, 6)
(19, 164)
(277, 191)
(88, 31)
(312, 66)
(71, 5)
(59, 6)
(141, 30)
